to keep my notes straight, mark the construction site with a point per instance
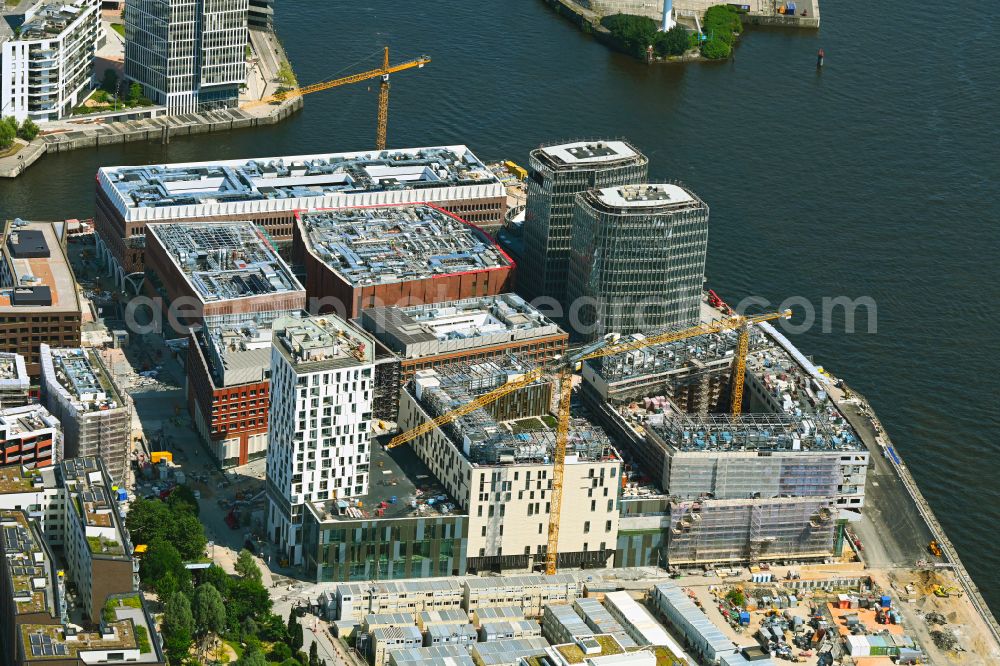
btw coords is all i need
(96, 419)
(498, 462)
(231, 269)
(763, 483)
(358, 258)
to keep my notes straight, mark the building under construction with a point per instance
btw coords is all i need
(358, 258)
(497, 462)
(765, 485)
(14, 381)
(97, 421)
(223, 271)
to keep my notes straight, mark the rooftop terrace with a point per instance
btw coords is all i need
(224, 262)
(385, 244)
(422, 330)
(82, 378)
(294, 179)
(130, 631)
(313, 344)
(43, 19)
(27, 564)
(484, 439)
(91, 495)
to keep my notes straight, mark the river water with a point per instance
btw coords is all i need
(877, 177)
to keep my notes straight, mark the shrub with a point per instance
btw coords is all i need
(673, 42)
(716, 49)
(722, 22)
(631, 34)
(28, 130)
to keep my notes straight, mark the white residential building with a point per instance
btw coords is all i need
(47, 51)
(189, 55)
(322, 371)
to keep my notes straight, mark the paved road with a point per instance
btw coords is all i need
(892, 530)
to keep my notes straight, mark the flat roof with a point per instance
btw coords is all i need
(27, 564)
(388, 244)
(13, 372)
(82, 378)
(47, 642)
(479, 437)
(582, 153)
(15, 479)
(326, 342)
(16, 421)
(396, 473)
(225, 261)
(88, 486)
(291, 182)
(36, 274)
(44, 19)
(422, 330)
(656, 195)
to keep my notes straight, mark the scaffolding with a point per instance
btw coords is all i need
(731, 531)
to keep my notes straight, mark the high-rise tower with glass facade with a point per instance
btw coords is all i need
(638, 259)
(189, 55)
(558, 174)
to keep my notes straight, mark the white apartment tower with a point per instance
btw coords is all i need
(47, 53)
(189, 55)
(322, 371)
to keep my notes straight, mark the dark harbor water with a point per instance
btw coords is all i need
(878, 177)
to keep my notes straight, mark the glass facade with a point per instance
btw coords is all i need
(636, 265)
(187, 54)
(552, 188)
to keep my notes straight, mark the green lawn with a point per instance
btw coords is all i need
(119, 28)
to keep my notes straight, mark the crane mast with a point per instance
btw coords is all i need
(562, 368)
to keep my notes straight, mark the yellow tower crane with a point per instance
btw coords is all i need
(383, 96)
(562, 367)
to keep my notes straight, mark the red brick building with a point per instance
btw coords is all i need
(228, 390)
(381, 256)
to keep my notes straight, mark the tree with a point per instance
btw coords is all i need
(314, 654)
(182, 500)
(28, 130)
(188, 536)
(209, 611)
(149, 520)
(134, 93)
(161, 560)
(247, 598)
(178, 627)
(110, 81)
(631, 34)
(252, 656)
(672, 42)
(716, 49)
(7, 135)
(247, 567)
(295, 637)
(279, 653)
(272, 628)
(215, 576)
(722, 22)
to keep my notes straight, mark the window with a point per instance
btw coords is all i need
(607, 527)
(586, 528)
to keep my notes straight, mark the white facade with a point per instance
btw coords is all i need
(47, 66)
(189, 55)
(322, 372)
